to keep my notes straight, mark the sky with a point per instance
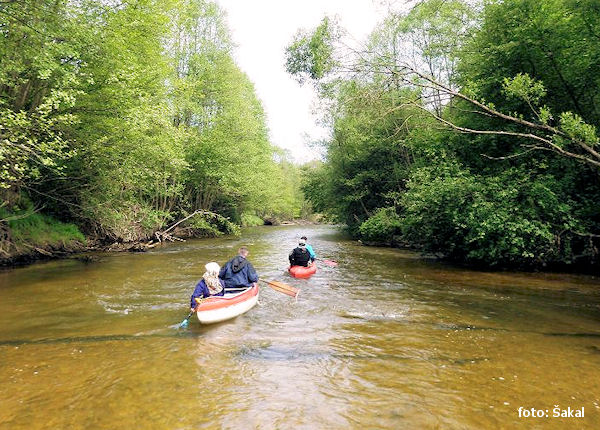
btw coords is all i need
(262, 29)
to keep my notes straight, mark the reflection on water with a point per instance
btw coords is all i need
(385, 340)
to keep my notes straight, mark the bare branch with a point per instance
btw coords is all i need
(520, 154)
(551, 145)
(22, 216)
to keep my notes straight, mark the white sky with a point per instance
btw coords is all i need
(262, 29)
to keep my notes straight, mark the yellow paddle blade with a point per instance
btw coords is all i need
(283, 288)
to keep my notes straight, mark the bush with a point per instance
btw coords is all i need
(251, 220)
(382, 226)
(211, 224)
(29, 228)
(125, 220)
(509, 220)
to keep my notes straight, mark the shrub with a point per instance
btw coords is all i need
(251, 220)
(508, 220)
(29, 228)
(381, 226)
(210, 224)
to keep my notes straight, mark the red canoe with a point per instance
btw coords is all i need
(303, 272)
(220, 308)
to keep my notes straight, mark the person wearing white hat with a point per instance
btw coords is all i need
(313, 255)
(209, 285)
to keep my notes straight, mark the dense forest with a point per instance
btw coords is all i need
(466, 129)
(118, 118)
(462, 128)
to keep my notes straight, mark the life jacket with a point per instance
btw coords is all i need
(300, 257)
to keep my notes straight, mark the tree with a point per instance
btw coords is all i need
(126, 116)
(39, 74)
(514, 111)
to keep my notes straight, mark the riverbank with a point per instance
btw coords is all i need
(576, 267)
(30, 236)
(40, 237)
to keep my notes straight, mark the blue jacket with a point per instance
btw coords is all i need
(201, 291)
(311, 252)
(238, 272)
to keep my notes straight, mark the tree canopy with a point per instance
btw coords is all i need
(125, 116)
(468, 129)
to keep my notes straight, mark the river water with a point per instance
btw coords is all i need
(386, 339)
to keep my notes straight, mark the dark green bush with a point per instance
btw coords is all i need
(512, 219)
(381, 226)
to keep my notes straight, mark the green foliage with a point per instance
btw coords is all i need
(289, 201)
(551, 41)
(512, 219)
(367, 158)
(203, 228)
(317, 187)
(40, 230)
(211, 224)
(310, 55)
(492, 195)
(93, 111)
(545, 115)
(577, 129)
(251, 220)
(432, 33)
(31, 143)
(127, 117)
(38, 85)
(381, 226)
(30, 229)
(525, 88)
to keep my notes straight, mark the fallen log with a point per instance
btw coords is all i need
(164, 235)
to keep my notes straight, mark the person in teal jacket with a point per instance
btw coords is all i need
(313, 255)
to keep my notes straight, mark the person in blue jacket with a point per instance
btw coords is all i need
(238, 272)
(313, 255)
(209, 285)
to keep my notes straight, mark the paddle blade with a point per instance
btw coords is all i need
(184, 323)
(283, 288)
(330, 263)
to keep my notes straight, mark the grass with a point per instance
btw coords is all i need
(40, 230)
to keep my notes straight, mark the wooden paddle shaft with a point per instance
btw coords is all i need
(282, 288)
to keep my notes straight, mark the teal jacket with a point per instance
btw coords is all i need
(311, 252)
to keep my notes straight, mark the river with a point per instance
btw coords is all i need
(387, 339)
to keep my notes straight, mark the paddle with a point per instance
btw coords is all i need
(283, 288)
(184, 323)
(329, 263)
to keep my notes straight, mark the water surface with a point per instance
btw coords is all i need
(385, 340)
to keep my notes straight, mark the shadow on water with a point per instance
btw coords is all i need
(272, 353)
(91, 339)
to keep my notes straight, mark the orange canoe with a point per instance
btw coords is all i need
(303, 272)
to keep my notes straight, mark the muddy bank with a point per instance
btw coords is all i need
(23, 254)
(28, 254)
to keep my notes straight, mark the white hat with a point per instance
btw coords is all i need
(212, 268)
